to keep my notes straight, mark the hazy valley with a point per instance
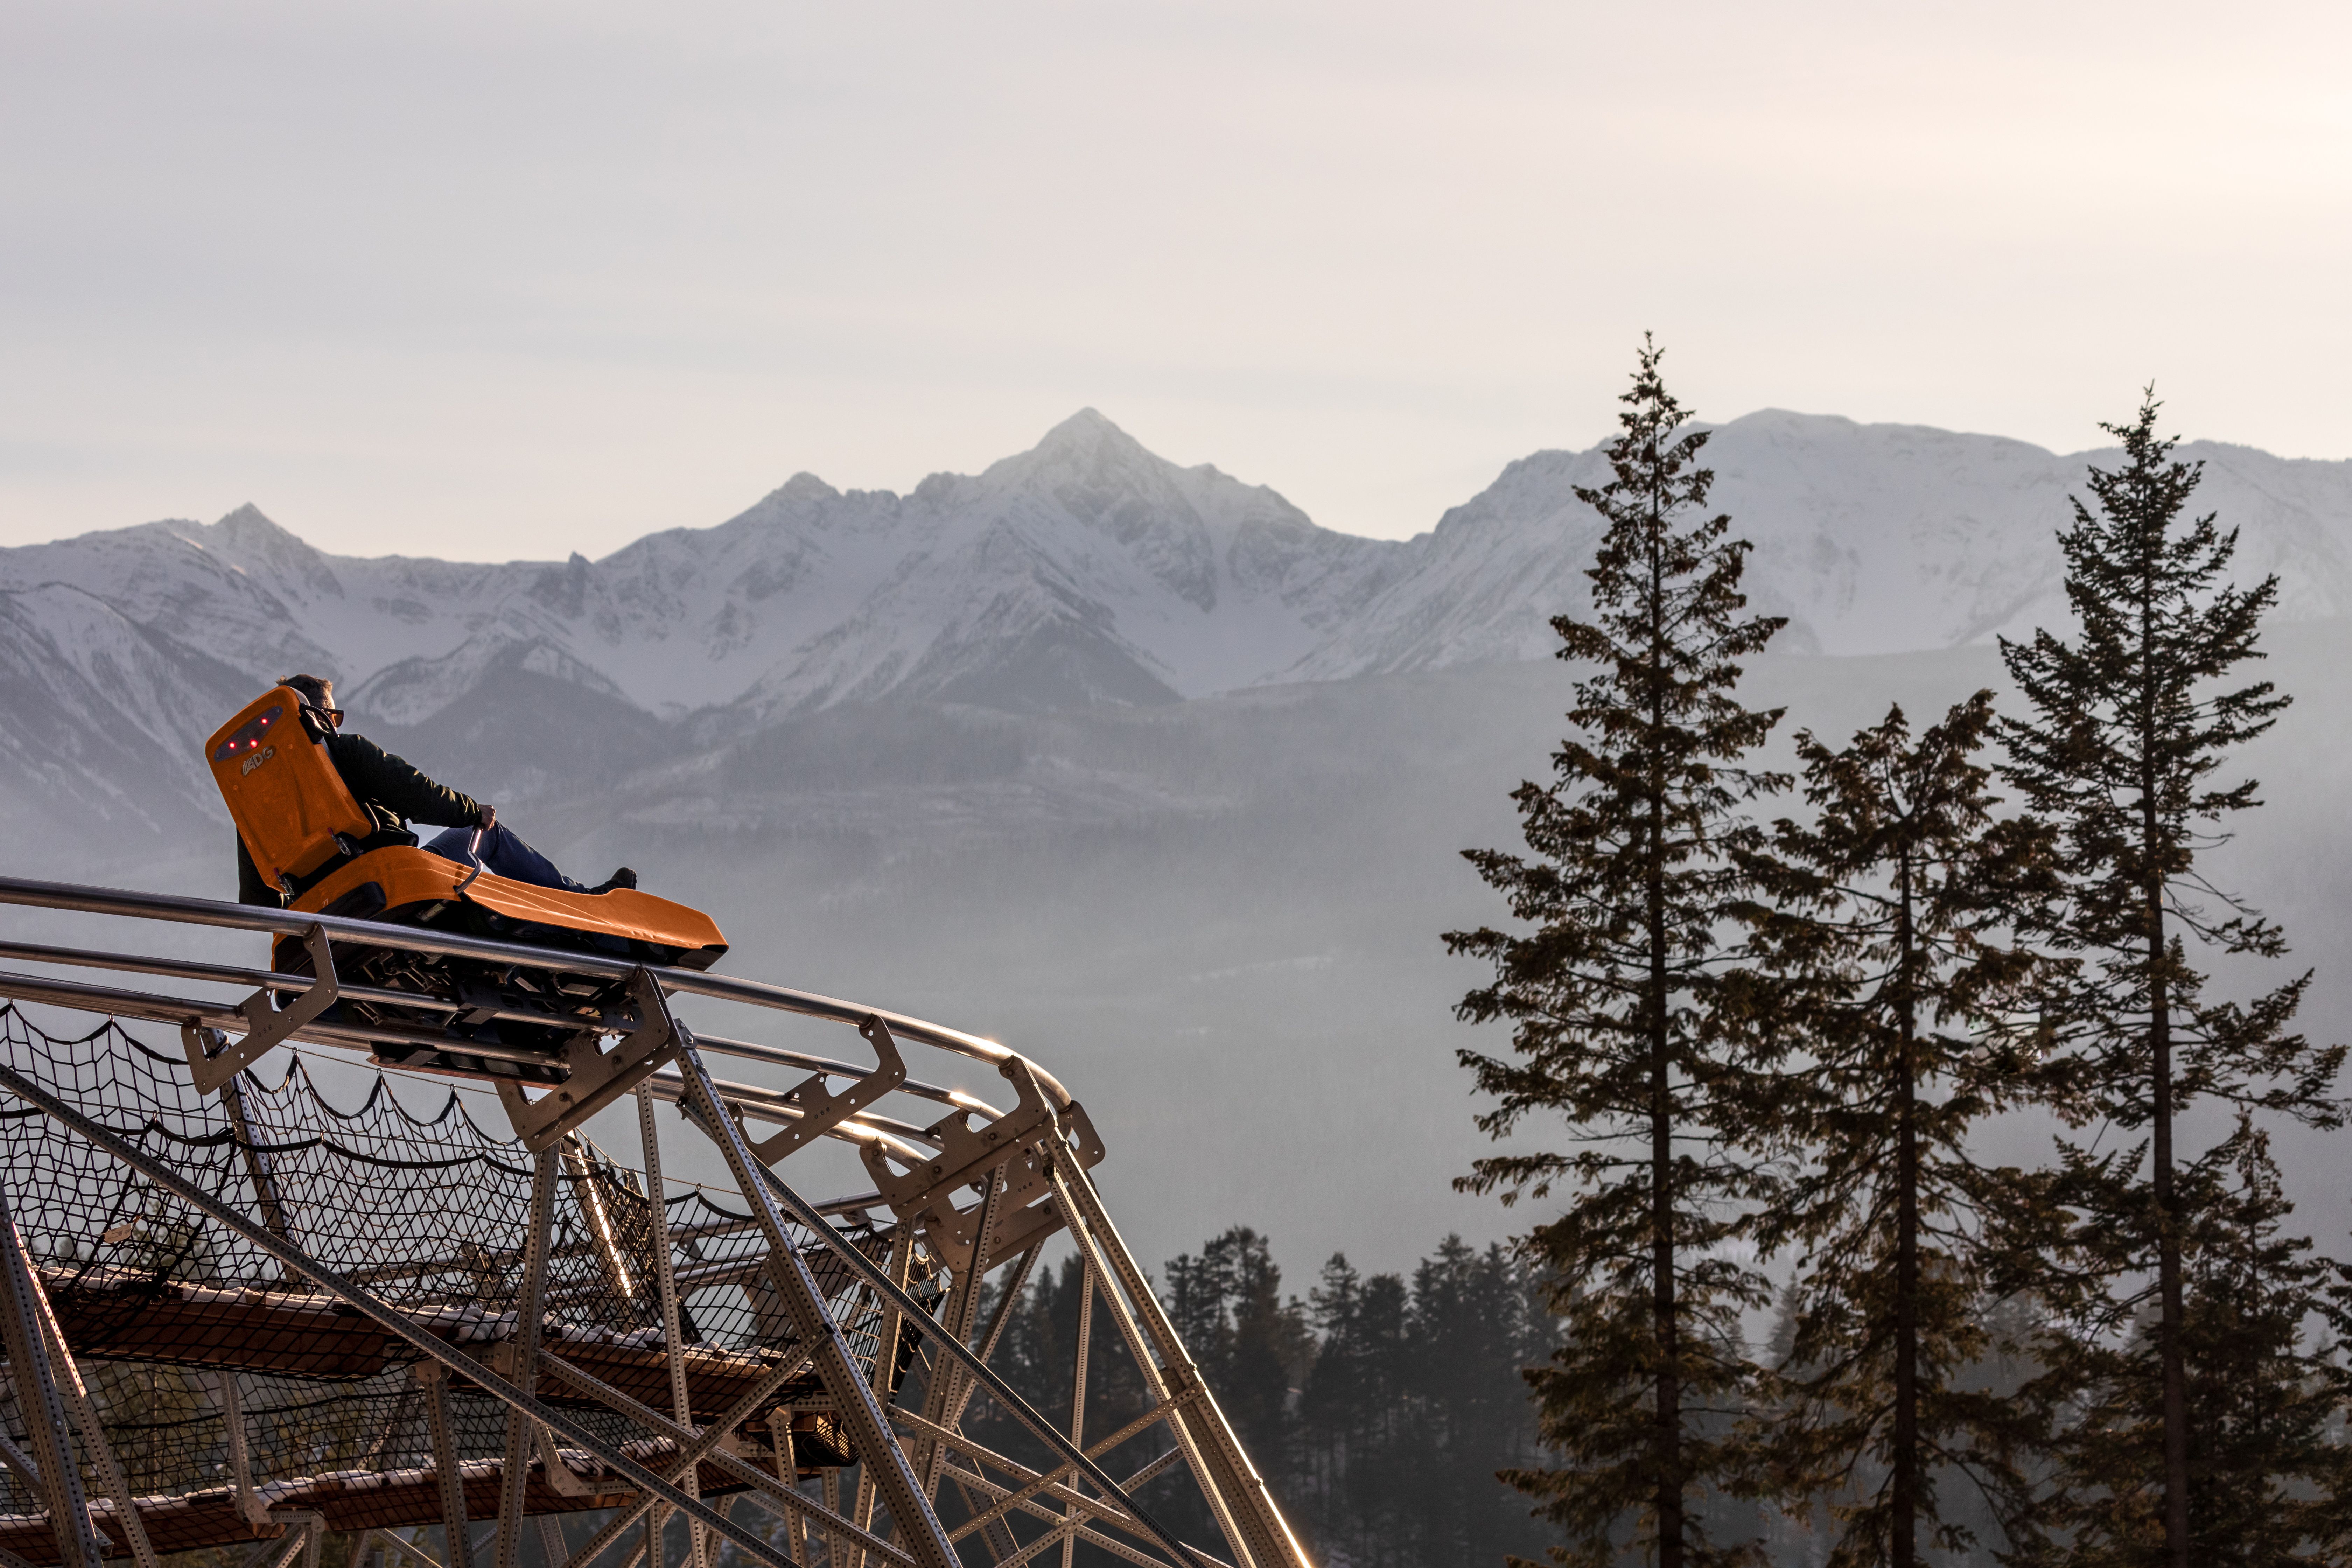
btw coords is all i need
(1133, 766)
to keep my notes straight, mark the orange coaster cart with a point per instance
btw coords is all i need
(309, 836)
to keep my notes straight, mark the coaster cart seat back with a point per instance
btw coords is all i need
(311, 839)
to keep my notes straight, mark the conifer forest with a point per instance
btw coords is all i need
(1767, 1302)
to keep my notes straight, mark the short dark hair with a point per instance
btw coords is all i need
(313, 688)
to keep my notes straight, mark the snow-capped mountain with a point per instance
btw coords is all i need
(1870, 538)
(1085, 571)
(102, 721)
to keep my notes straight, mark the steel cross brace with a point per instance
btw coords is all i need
(1022, 1410)
(302, 1538)
(918, 1526)
(400, 1548)
(1033, 1481)
(686, 1458)
(614, 1399)
(1110, 1543)
(382, 1315)
(21, 1462)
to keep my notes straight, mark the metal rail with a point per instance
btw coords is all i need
(767, 1104)
(278, 979)
(187, 910)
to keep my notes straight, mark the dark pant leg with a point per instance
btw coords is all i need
(504, 854)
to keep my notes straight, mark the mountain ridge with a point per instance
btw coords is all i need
(1084, 572)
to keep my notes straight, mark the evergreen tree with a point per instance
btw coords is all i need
(1357, 1411)
(2132, 720)
(1612, 996)
(1253, 1346)
(1416, 1404)
(1886, 945)
(1394, 1404)
(2264, 1473)
(1470, 1323)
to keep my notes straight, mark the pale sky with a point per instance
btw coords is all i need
(487, 280)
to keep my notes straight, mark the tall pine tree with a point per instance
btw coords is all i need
(2266, 1465)
(2132, 719)
(1891, 965)
(1612, 991)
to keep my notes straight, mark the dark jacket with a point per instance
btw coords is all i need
(388, 788)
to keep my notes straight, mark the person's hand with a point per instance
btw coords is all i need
(490, 817)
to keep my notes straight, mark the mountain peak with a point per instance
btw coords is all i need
(250, 523)
(1086, 433)
(1083, 453)
(1088, 418)
(249, 533)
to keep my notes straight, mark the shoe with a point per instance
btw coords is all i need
(624, 878)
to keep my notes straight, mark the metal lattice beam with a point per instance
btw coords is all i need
(382, 1315)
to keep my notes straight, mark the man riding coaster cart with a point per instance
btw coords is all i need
(321, 828)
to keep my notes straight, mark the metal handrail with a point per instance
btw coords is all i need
(754, 1100)
(186, 911)
(278, 979)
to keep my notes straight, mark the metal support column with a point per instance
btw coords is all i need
(788, 1471)
(995, 1535)
(531, 1308)
(225, 1395)
(941, 1405)
(597, 1215)
(1078, 1381)
(85, 1411)
(43, 1407)
(266, 1196)
(672, 1320)
(435, 1379)
(886, 1360)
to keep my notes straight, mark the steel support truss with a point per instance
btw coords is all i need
(978, 1191)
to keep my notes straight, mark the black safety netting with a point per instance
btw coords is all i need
(160, 1303)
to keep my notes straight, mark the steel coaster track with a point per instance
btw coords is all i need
(1029, 1165)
